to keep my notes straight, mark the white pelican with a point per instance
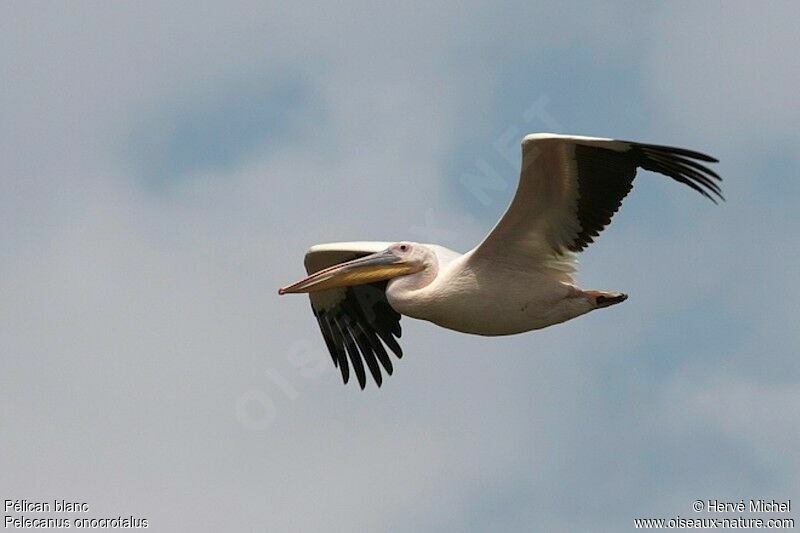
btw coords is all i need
(518, 279)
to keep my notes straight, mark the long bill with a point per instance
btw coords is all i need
(369, 269)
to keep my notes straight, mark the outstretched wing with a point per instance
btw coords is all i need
(356, 321)
(571, 186)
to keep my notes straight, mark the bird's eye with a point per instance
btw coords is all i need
(403, 247)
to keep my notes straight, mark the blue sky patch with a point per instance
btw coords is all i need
(221, 130)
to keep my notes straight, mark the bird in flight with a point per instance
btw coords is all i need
(520, 278)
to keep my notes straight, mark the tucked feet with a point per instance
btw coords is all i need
(606, 299)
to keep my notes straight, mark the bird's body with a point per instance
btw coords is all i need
(479, 289)
(520, 278)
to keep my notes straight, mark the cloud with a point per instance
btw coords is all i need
(137, 318)
(732, 77)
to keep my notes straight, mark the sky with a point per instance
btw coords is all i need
(164, 167)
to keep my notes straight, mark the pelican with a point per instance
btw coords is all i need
(520, 278)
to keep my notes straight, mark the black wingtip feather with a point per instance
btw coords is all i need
(677, 163)
(338, 342)
(352, 352)
(366, 353)
(605, 177)
(357, 328)
(678, 151)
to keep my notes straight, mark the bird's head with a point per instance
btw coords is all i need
(399, 259)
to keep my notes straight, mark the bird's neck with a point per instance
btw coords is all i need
(407, 294)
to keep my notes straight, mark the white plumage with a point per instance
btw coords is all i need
(518, 279)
